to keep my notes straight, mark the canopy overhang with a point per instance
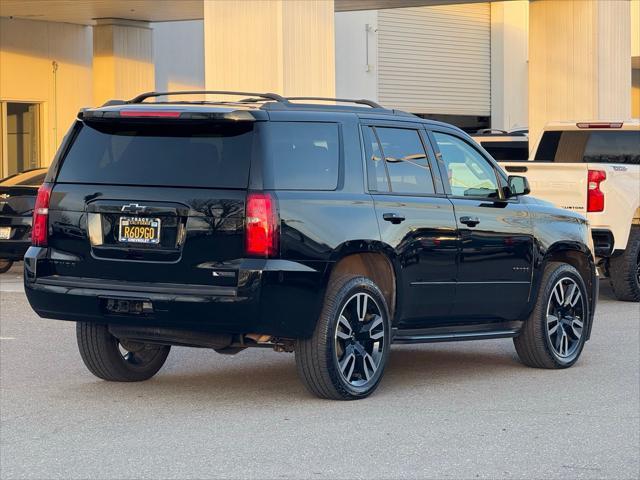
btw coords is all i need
(86, 12)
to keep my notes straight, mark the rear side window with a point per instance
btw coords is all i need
(301, 155)
(186, 154)
(598, 146)
(376, 170)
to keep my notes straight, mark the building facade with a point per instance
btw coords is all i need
(465, 62)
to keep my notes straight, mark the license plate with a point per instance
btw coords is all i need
(139, 230)
(5, 233)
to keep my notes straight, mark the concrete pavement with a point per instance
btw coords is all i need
(457, 410)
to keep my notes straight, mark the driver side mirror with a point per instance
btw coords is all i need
(518, 186)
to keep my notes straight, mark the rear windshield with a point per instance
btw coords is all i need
(170, 154)
(598, 146)
(301, 155)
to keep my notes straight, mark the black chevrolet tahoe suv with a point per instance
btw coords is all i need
(331, 231)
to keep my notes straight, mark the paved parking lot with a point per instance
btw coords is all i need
(464, 410)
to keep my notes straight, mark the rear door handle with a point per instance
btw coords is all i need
(470, 221)
(394, 218)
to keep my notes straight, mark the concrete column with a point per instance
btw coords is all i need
(635, 58)
(509, 64)
(579, 62)
(281, 46)
(122, 59)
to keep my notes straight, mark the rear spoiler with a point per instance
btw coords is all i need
(111, 115)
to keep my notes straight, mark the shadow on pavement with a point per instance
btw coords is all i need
(267, 377)
(270, 378)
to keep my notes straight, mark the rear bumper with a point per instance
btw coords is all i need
(603, 242)
(273, 297)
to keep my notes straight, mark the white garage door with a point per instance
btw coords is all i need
(436, 60)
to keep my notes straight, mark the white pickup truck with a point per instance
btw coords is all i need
(594, 168)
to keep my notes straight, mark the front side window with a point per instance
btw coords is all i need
(469, 173)
(405, 161)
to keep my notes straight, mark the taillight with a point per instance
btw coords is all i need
(599, 125)
(261, 225)
(595, 197)
(39, 230)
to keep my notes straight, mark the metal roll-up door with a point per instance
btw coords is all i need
(436, 60)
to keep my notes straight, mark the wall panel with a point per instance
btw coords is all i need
(27, 52)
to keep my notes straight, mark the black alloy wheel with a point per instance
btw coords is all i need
(555, 333)
(565, 317)
(345, 357)
(360, 339)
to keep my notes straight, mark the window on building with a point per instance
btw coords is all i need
(20, 137)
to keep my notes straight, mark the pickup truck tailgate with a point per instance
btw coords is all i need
(563, 184)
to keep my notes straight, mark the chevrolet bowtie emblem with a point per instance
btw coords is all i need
(133, 208)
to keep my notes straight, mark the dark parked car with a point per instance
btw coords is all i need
(17, 197)
(328, 231)
(502, 145)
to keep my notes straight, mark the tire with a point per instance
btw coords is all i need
(624, 270)
(102, 355)
(5, 265)
(346, 335)
(545, 343)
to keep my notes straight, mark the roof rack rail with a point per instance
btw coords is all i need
(369, 103)
(267, 96)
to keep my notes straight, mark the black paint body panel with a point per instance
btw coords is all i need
(448, 275)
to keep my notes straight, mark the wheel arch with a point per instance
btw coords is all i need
(373, 260)
(577, 256)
